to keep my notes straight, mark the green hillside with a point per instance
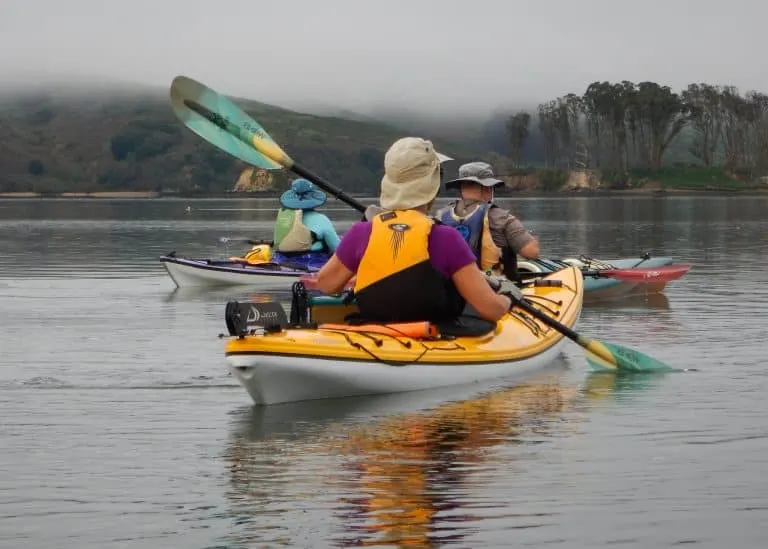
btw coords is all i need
(131, 141)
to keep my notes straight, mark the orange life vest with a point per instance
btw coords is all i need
(396, 281)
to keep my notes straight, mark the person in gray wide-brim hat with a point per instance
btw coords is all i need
(475, 172)
(495, 235)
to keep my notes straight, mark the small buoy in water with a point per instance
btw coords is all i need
(188, 209)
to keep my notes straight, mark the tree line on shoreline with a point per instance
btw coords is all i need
(617, 127)
(135, 143)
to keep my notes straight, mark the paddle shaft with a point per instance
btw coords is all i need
(529, 308)
(645, 257)
(323, 184)
(597, 272)
(283, 159)
(265, 265)
(588, 344)
(583, 273)
(607, 273)
(227, 240)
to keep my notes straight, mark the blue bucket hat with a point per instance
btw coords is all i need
(302, 196)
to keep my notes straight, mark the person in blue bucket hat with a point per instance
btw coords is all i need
(299, 229)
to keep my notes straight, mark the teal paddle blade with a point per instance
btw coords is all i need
(185, 89)
(626, 360)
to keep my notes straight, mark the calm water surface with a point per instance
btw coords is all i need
(121, 427)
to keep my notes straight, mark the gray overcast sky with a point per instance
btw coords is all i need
(424, 54)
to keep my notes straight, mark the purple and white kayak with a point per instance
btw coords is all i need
(186, 272)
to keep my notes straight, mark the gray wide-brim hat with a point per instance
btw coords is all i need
(475, 172)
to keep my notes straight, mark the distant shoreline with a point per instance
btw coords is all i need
(152, 195)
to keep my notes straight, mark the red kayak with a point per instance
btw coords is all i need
(650, 275)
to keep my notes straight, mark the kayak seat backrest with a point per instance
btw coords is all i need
(333, 309)
(413, 330)
(332, 313)
(326, 300)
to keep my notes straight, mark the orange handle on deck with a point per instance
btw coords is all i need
(414, 330)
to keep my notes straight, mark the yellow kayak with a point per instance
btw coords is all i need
(334, 359)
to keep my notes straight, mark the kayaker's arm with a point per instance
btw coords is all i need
(474, 288)
(515, 235)
(333, 277)
(530, 250)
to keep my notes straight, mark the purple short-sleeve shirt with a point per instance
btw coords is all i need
(448, 251)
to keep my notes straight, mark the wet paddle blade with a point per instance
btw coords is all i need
(609, 356)
(649, 275)
(220, 122)
(186, 91)
(601, 356)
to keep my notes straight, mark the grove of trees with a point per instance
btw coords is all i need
(620, 126)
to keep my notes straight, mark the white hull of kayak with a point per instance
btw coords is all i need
(185, 275)
(271, 379)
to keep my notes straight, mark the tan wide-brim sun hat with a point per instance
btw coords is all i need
(411, 174)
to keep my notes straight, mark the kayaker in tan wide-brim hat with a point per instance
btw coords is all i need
(406, 267)
(411, 174)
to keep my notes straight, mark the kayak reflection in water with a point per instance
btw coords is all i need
(405, 480)
(412, 468)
